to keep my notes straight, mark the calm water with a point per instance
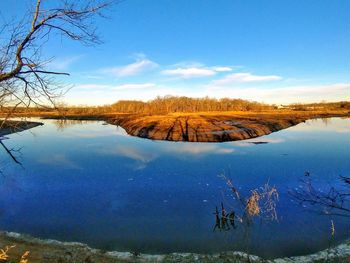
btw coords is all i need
(94, 184)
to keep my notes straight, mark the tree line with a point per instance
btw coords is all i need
(173, 104)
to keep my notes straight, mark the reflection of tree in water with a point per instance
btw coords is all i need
(259, 203)
(331, 201)
(222, 221)
(326, 121)
(256, 205)
(62, 124)
(13, 153)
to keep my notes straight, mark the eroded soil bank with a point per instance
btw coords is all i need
(69, 252)
(214, 127)
(202, 126)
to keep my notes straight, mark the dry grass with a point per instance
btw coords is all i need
(4, 253)
(24, 258)
(4, 257)
(253, 207)
(261, 202)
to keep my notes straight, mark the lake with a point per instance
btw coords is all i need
(92, 183)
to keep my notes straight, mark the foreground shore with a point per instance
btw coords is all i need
(202, 126)
(72, 252)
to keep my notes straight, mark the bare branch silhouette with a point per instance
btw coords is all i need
(332, 201)
(24, 77)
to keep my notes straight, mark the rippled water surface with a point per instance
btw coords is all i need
(92, 183)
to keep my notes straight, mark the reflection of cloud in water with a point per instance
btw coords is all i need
(197, 148)
(60, 160)
(252, 142)
(137, 154)
(145, 155)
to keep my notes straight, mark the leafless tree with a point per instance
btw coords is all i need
(25, 78)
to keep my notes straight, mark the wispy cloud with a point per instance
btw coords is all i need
(64, 63)
(195, 71)
(243, 78)
(189, 72)
(141, 65)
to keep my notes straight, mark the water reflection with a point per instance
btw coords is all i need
(251, 142)
(336, 125)
(63, 124)
(197, 149)
(94, 184)
(132, 152)
(222, 221)
(60, 160)
(13, 153)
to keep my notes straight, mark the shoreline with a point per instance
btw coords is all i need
(11, 126)
(214, 126)
(48, 250)
(202, 126)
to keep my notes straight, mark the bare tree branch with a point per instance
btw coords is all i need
(22, 69)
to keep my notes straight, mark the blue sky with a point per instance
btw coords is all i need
(266, 50)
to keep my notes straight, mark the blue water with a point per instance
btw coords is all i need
(93, 183)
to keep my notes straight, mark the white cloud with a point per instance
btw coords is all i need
(195, 71)
(132, 69)
(95, 94)
(243, 78)
(222, 69)
(189, 72)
